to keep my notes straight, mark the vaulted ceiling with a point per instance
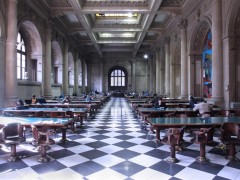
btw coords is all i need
(102, 26)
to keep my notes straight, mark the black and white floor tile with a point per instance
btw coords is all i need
(113, 146)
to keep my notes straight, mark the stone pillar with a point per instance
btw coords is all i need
(76, 71)
(162, 70)
(147, 76)
(217, 57)
(167, 66)
(172, 82)
(157, 89)
(83, 76)
(134, 75)
(65, 70)
(151, 78)
(11, 54)
(47, 64)
(191, 79)
(229, 56)
(184, 70)
(101, 75)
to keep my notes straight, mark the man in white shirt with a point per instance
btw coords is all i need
(203, 109)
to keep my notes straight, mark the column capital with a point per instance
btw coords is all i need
(182, 23)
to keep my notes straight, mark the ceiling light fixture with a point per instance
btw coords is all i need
(145, 56)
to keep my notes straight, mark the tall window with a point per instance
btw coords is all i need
(21, 58)
(80, 78)
(118, 78)
(207, 66)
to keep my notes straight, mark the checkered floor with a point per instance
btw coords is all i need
(113, 146)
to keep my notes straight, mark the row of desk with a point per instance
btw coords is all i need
(191, 122)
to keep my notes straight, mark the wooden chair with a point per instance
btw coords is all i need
(224, 113)
(39, 114)
(173, 138)
(230, 136)
(13, 134)
(42, 139)
(203, 136)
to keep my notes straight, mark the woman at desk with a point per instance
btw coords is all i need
(33, 100)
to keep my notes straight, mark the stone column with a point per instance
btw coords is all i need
(162, 70)
(65, 70)
(217, 57)
(229, 55)
(147, 76)
(101, 76)
(76, 71)
(134, 75)
(151, 77)
(184, 70)
(167, 66)
(157, 89)
(172, 82)
(11, 54)
(47, 64)
(83, 76)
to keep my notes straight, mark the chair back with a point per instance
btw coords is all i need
(175, 135)
(38, 114)
(224, 113)
(181, 115)
(54, 114)
(229, 129)
(39, 135)
(69, 114)
(13, 130)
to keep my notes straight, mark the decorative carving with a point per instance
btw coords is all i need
(131, 4)
(182, 24)
(172, 2)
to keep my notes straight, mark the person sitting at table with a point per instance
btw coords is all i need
(155, 100)
(34, 100)
(160, 104)
(67, 99)
(42, 100)
(203, 108)
(192, 101)
(19, 104)
(88, 98)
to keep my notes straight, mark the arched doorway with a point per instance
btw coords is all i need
(117, 79)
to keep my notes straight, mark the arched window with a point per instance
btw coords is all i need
(207, 66)
(118, 78)
(21, 58)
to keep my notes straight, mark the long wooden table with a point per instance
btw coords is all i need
(45, 110)
(163, 123)
(56, 123)
(91, 107)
